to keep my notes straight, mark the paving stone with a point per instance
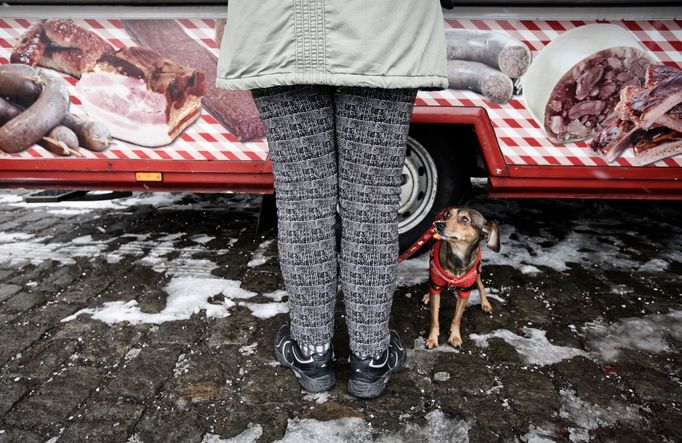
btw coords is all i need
(12, 391)
(47, 409)
(103, 420)
(531, 394)
(8, 290)
(164, 423)
(23, 301)
(142, 377)
(16, 435)
(43, 359)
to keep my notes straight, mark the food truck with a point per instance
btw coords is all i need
(574, 100)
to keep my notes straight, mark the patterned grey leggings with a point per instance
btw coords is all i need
(337, 145)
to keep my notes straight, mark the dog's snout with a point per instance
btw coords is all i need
(440, 225)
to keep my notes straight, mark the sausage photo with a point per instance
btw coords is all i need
(18, 80)
(480, 78)
(45, 113)
(495, 49)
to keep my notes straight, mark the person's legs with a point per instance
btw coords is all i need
(371, 128)
(299, 124)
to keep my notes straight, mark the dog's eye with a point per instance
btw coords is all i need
(447, 214)
(464, 219)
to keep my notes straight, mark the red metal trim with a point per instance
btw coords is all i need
(478, 118)
(596, 172)
(134, 165)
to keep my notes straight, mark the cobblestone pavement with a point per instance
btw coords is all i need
(150, 318)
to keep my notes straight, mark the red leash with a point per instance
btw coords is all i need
(421, 241)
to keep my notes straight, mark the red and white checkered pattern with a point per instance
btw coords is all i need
(521, 139)
(206, 139)
(519, 136)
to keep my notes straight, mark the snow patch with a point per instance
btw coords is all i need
(475, 297)
(266, 310)
(186, 296)
(438, 428)
(181, 365)
(340, 430)
(420, 345)
(649, 333)
(132, 354)
(250, 435)
(202, 239)
(592, 416)
(534, 349)
(248, 349)
(258, 258)
(413, 271)
(654, 265)
(317, 397)
(277, 295)
(537, 434)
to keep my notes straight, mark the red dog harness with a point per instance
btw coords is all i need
(439, 278)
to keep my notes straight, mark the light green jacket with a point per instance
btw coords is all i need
(369, 43)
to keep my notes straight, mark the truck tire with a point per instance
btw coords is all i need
(435, 176)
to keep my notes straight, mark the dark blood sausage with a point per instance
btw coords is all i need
(30, 46)
(480, 78)
(495, 49)
(91, 135)
(18, 80)
(583, 101)
(45, 113)
(7, 111)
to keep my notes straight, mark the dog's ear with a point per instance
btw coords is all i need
(491, 235)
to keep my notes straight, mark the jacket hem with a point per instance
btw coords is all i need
(427, 82)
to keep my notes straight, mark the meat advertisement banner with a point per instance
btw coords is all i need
(557, 92)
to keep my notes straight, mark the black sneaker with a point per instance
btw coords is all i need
(314, 373)
(368, 377)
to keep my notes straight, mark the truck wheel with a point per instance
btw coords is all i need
(433, 178)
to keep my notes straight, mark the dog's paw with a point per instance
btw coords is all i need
(487, 308)
(455, 340)
(432, 342)
(426, 298)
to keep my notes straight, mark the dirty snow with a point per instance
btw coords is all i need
(248, 349)
(649, 333)
(186, 296)
(538, 434)
(165, 199)
(258, 258)
(316, 397)
(250, 435)
(589, 416)
(277, 295)
(132, 354)
(266, 310)
(534, 349)
(438, 428)
(420, 345)
(181, 365)
(202, 239)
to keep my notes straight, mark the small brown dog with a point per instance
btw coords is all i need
(455, 262)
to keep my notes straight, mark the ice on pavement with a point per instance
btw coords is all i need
(266, 310)
(438, 428)
(258, 258)
(589, 416)
(250, 435)
(186, 296)
(534, 349)
(649, 333)
(538, 434)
